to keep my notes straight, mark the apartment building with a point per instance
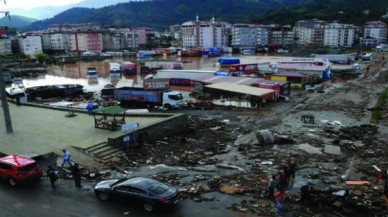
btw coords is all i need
(309, 32)
(55, 41)
(339, 35)
(244, 35)
(262, 35)
(375, 32)
(86, 41)
(73, 27)
(202, 34)
(30, 44)
(281, 35)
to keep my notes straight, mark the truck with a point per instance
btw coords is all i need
(129, 68)
(143, 98)
(152, 65)
(114, 69)
(92, 73)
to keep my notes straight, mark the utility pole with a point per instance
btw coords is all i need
(3, 94)
(4, 103)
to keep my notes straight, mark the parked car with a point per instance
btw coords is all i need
(17, 169)
(149, 192)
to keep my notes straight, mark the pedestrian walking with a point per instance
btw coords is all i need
(52, 175)
(75, 171)
(66, 157)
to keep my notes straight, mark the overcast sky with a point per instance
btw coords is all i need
(31, 4)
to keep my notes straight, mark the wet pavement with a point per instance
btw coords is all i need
(38, 131)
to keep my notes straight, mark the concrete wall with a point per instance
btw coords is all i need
(173, 125)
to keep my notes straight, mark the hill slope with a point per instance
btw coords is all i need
(15, 21)
(162, 13)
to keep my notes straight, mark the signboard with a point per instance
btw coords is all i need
(129, 127)
(156, 83)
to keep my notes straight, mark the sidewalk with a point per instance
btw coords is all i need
(38, 131)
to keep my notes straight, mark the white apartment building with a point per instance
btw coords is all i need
(5, 46)
(339, 35)
(244, 35)
(262, 35)
(30, 44)
(306, 31)
(200, 34)
(376, 30)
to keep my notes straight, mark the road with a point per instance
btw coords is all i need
(38, 199)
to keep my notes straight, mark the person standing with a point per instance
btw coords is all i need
(282, 179)
(52, 175)
(291, 168)
(66, 157)
(89, 107)
(271, 187)
(75, 171)
(280, 196)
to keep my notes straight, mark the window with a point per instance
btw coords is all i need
(175, 97)
(158, 188)
(4, 166)
(27, 167)
(136, 190)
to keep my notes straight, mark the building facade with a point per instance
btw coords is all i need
(30, 45)
(375, 30)
(339, 35)
(309, 32)
(201, 34)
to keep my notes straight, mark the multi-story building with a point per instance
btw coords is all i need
(309, 32)
(281, 36)
(262, 35)
(86, 41)
(55, 41)
(339, 35)
(201, 34)
(375, 32)
(73, 27)
(30, 44)
(5, 46)
(143, 36)
(244, 35)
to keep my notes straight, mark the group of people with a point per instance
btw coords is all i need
(280, 182)
(52, 173)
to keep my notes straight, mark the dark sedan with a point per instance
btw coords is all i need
(149, 192)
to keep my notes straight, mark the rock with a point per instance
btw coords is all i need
(332, 149)
(345, 142)
(309, 149)
(265, 137)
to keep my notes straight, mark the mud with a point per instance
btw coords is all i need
(220, 155)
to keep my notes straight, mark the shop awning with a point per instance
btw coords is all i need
(241, 89)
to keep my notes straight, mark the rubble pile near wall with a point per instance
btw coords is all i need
(340, 156)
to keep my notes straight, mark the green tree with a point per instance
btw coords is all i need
(41, 57)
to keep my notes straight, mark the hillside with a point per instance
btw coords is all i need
(15, 21)
(162, 13)
(343, 11)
